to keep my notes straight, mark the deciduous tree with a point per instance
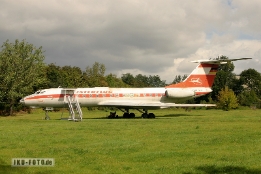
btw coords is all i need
(54, 76)
(141, 81)
(22, 68)
(95, 75)
(248, 98)
(113, 81)
(179, 78)
(224, 77)
(129, 79)
(251, 80)
(72, 77)
(155, 81)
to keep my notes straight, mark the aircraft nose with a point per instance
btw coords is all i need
(22, 101)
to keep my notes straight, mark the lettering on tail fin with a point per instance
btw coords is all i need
(196, 81)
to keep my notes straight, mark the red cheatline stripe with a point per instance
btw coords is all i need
(45, 96)
(56, 96)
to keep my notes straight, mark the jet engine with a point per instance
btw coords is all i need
(179, 93)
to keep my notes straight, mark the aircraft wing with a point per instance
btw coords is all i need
(130, 104)
(220, 61)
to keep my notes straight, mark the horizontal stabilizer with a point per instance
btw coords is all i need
(220, 61)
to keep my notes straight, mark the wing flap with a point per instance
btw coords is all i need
(128, 103)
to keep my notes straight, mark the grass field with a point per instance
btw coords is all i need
(200, 141)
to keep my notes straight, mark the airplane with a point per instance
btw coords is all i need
(198, 83)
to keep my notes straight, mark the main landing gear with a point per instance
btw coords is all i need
(127, 114)
(113, 115)
(146, 115)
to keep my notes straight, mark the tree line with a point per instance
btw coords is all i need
(23, 71)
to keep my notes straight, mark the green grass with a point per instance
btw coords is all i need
(200, 141)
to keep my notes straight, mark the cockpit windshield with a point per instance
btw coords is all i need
(39, 92)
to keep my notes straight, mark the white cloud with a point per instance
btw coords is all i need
(149, 37)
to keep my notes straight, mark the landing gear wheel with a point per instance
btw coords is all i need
(132, 115)
(126, 115)
(151, 115)
(113, 115)
(144, 115)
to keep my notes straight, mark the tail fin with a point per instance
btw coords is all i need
(204, 74)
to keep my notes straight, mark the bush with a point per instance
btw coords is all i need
(227, 100)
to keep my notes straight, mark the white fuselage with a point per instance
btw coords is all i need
(56, 97)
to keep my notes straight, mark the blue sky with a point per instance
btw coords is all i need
(130, 36)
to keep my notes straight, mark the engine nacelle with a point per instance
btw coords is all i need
(179, 93)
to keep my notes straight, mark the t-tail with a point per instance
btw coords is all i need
(203, 75)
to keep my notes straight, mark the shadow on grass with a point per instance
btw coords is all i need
(120, 117)
(226, 169)
(7, 168)
(139, 117)
(169, 116)
(166, 116)
(179, 115)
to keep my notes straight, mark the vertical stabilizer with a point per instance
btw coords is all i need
(204, 74)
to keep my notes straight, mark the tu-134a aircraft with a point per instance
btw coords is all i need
(198, 83)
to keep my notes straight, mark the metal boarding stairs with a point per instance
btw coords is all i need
(74, 108)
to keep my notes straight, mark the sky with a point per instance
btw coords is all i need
(148, 37)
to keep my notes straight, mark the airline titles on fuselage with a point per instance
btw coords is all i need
(111, 94)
